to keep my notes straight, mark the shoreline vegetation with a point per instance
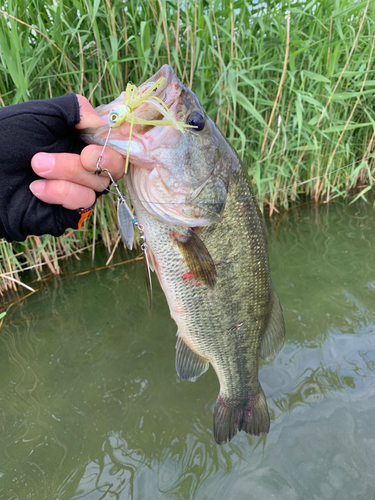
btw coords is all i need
(290, 84)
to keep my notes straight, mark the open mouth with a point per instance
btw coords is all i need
(167, 91)
(151, 118)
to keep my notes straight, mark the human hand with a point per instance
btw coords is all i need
(68, 180)
(67, 190)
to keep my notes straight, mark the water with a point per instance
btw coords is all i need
(92, 408)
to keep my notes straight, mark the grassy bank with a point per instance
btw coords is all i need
(294, 95)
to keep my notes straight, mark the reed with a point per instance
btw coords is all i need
(292, 93)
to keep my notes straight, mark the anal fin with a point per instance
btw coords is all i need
(274, 335)
(197, 257)
(189, 365)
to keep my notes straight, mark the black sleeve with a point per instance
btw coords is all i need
(26, 129)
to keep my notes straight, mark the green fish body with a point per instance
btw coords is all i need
(207, 243)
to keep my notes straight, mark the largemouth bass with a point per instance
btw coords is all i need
(207, 243)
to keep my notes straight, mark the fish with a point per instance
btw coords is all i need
(207, 243)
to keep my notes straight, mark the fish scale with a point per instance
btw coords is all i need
(207, 242)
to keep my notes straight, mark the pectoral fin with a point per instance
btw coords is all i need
(189, 365)
(197, 257)
(274, 335)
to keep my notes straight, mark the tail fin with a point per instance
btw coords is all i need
(231, 417)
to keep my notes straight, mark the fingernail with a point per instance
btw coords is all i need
(37, 187)
(43, 163)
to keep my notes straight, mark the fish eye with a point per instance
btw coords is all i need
(113, 117)
(196, 119)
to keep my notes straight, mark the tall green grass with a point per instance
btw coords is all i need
(293, 94)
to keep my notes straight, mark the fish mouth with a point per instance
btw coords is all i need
(151, 176)
(144, 138)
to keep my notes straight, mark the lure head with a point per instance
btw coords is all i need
(117, 115)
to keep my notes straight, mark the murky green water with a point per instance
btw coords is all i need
(91, 406)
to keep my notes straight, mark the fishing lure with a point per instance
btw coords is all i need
(135, 97)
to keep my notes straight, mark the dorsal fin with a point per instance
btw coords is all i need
(274, 335)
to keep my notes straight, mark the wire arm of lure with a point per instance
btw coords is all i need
(99, 169)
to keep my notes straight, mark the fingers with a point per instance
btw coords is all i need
(71, 179)
(67, 167)
(76, 168)
(65, 193)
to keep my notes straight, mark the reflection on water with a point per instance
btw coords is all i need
(91, 406)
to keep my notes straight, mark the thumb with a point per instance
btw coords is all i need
(89, 117)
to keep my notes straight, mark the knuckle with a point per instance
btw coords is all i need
(83, 100)
(61, 189)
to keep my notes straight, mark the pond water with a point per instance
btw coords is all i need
(91, 406)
